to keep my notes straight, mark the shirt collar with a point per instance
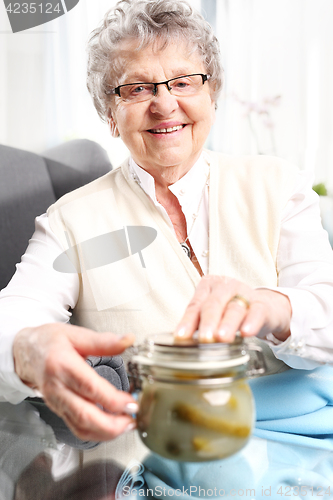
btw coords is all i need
(186, 189)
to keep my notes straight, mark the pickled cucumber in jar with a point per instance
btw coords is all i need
(193, 423)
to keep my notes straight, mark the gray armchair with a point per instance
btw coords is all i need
(30, 183)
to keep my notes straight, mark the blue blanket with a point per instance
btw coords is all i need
(296, 407)
(290, 454)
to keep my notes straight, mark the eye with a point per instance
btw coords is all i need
(138, 89)
(181, 84)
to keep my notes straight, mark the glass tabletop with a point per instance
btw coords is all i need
(35, 465)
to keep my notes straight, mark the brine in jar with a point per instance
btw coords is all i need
(192, 423)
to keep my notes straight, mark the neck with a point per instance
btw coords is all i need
(166, 198)
(165, 176)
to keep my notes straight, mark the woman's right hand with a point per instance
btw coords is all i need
(51, 359)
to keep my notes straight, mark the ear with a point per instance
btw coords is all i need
(112, 124)
(212, 87)
(213, 111)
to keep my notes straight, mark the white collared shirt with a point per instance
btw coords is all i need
(37, 294)
(192, 193)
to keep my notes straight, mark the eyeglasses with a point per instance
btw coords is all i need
(180, 86)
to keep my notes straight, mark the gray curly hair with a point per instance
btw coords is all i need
(147, 21)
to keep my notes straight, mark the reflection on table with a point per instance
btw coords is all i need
(34, 465)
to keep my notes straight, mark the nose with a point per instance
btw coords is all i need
(163, 103)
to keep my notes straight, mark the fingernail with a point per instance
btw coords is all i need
(222, 333)
(206, 336)
(131, 408)
(180, 332)
(126, 337)
(130, 427)
(247, 328)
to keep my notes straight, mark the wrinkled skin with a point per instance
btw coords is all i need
(218, 318)
(51, 359)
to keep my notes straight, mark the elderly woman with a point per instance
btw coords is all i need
(238, 246)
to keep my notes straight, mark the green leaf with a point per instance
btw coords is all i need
(320, 189)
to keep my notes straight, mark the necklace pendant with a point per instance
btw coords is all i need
(186, 249)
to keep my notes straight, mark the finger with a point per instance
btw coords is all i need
(215, 306)
(88, 422)
(212, 310)
(95, 425)
(255, 321)
(75, 374)
(88, 342)
(190, 320)
(233, 317)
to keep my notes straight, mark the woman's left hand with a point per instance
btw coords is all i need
(222, 306)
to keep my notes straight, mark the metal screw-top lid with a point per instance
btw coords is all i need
(165, 351)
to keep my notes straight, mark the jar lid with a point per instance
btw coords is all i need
(165, 351)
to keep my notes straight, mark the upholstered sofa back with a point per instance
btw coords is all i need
(30, 183)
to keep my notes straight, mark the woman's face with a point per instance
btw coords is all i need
(137, 122)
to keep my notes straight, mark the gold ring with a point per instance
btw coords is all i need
(242, 301)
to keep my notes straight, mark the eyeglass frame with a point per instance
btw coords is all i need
(116, 90)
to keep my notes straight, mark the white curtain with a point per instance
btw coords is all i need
(21, 86)
(72, 113)
(276, 48)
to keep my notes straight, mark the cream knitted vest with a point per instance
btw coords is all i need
(246, 198)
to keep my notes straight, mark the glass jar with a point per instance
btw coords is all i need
(195, 403)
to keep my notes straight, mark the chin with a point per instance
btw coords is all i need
(167, 159)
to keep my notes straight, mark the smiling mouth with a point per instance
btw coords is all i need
(166, 130)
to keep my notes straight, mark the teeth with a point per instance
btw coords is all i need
(166, 130)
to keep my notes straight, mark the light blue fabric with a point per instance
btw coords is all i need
(263, 469)
(292, 446)
(296, 406)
